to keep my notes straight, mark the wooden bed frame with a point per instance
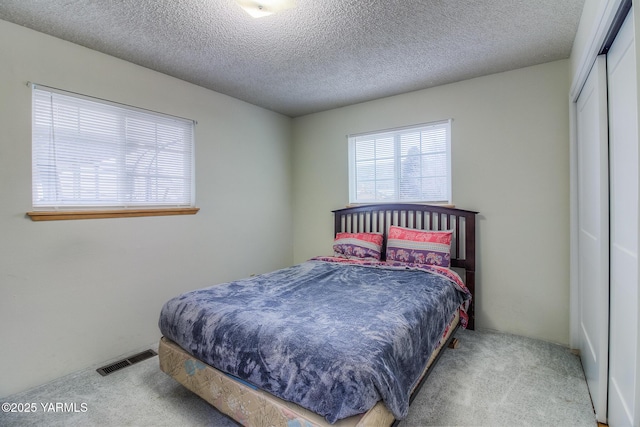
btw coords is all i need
(228, 394)
(378, 219)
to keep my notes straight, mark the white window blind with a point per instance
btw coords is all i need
(90, 153)
(411, 164)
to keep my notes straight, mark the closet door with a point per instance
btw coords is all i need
(623, 166)
(593, 234)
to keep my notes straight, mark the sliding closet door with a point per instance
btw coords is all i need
(593, 234)
(623, 187)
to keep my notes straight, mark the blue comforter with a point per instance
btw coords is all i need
(334, 338)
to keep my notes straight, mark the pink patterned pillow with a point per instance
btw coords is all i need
(358, 245)
(419, 246)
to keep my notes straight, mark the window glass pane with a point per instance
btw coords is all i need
(434, 165)
(410, 177)
(434, 140)
(385, 169)
(366, 171)
(366, 190)
(365, 150)
(410, 143)
(385, 190)
(385, 148)
(435, 188)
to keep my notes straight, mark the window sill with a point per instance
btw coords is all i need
(114, 213)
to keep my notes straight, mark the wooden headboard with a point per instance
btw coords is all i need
(378, 218)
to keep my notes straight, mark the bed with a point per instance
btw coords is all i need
(345, 340)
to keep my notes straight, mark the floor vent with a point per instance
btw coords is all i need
(116, 366)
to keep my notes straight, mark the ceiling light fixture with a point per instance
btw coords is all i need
(260, 8)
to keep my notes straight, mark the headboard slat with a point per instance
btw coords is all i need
(378, 219)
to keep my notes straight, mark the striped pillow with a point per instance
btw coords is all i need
(358, 245)
(419, 246)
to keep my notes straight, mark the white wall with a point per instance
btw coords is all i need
(510, 144)
(75, 294)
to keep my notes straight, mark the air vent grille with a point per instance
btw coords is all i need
(116, 366)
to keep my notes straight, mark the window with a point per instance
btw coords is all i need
(411, 164)
(94, 154)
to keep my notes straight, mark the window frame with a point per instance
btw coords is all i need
(58, 207)
(397, 158)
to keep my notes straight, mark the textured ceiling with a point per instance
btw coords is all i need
(319, 55)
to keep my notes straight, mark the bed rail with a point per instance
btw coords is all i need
(378, 218)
